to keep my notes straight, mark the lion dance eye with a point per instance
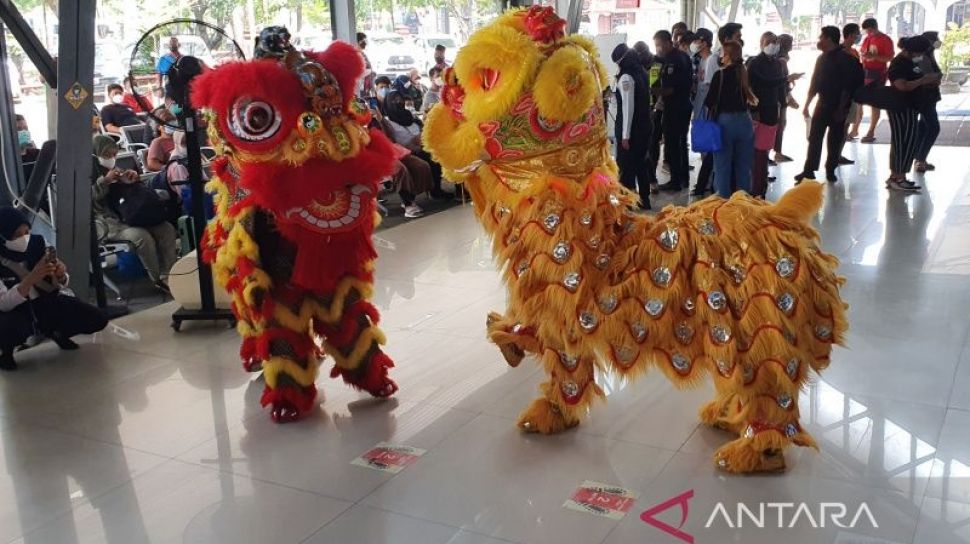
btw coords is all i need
(254, 120)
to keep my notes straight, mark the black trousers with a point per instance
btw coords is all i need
(48, 315)
(929, 130)
(657, 119)
(829, 119)
(705, 176)
(676, 122)
(634, 165)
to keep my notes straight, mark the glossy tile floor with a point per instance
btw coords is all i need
(145, 435)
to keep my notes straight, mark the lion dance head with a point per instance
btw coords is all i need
(521, 94)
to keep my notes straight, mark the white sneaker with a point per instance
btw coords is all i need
(413, 211)
(904, 186)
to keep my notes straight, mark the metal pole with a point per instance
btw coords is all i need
(75, 72)
(343, 20)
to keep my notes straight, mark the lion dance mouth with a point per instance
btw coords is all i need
(340, 211)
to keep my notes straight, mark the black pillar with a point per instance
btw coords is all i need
(75, 102)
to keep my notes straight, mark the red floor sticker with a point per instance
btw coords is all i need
(609, 501)
(388, 457)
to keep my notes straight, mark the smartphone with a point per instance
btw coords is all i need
(50, 255)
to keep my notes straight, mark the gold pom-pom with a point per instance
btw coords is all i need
(565, 87)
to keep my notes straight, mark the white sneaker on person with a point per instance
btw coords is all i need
(413, 211)
(905, 186)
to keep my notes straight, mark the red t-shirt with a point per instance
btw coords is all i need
(142, 105)
(881, 45)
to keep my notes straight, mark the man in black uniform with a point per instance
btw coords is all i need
(676, 80)
(837, 76)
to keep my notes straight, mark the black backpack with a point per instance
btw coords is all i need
(137, 204)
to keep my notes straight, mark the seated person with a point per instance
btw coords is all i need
(412, 175)
(141, 104)
(28, 150)
(156, 245)
(404, 128)
(433, 96)
(116, 114)
(35, 303)
(383, 86)
(409, 86)
(160, 150)
(177, 175)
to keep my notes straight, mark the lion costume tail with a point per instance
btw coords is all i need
(800, 203)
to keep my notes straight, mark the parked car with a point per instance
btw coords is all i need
(392, 55)
(426, 44)
(313, 42)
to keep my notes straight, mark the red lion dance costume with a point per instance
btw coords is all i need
(295, 184)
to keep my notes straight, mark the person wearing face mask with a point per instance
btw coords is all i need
(770, 84)
(382, 86)
(927, 98)
(28, 151)
(633, 127)
(116, 114)
(906, 75)
(365, 85)
(33, 296)
(707, 66)
(433, 96)
(409, 86)
(837, 76)
(160, 150)
(404, 128)
(155, 245)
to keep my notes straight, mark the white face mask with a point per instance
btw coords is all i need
(107, 163)
(695, 48)
(117, 98)
(18, 245)
(918, 59)
(772, 49)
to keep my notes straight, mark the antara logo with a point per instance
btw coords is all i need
(765, 514)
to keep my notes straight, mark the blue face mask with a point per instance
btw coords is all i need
(23, 137)
(175, 109)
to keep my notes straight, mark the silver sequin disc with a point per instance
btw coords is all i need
(571, 280)
(624, 354)
(785, 267)
(680, 362)
(791, 430)
(654, 307)
(792, 367)
(551, 222)
(639, 331)
(614, 200)
(593, 242)
(716, 300)
(669, 238)
(570, 389)
(587, 321)
(522, 268)
(724, 367)
(689, 305)
(786, 302)
(749, 432)
(661, 276)
(608, 303)
(684, 332)
(586, 219)
(823, 332)
(561, 252)
(720, 334)
(707, 227)
(784, 400)
(602, 261)
(568, 360)
(738, 273)
(747, 373)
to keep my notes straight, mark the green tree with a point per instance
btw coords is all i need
(954, 51)
(840, 9)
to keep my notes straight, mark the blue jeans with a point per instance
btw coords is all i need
(733, 161)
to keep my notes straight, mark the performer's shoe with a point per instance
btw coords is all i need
(253, 365)
(830, 176)
(843, 161)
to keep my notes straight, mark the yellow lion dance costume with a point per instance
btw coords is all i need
(737, 289)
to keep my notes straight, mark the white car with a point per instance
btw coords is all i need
(315, 42)
(109, 65)
(391, 55)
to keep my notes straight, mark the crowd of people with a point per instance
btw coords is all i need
(689, 79)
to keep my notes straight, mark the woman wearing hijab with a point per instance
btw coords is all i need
(633, 127)
(33, 300)
(156, 245)
(926, 99)
(404, 128)
(906, 75)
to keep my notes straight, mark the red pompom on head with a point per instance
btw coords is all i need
(543, 25)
